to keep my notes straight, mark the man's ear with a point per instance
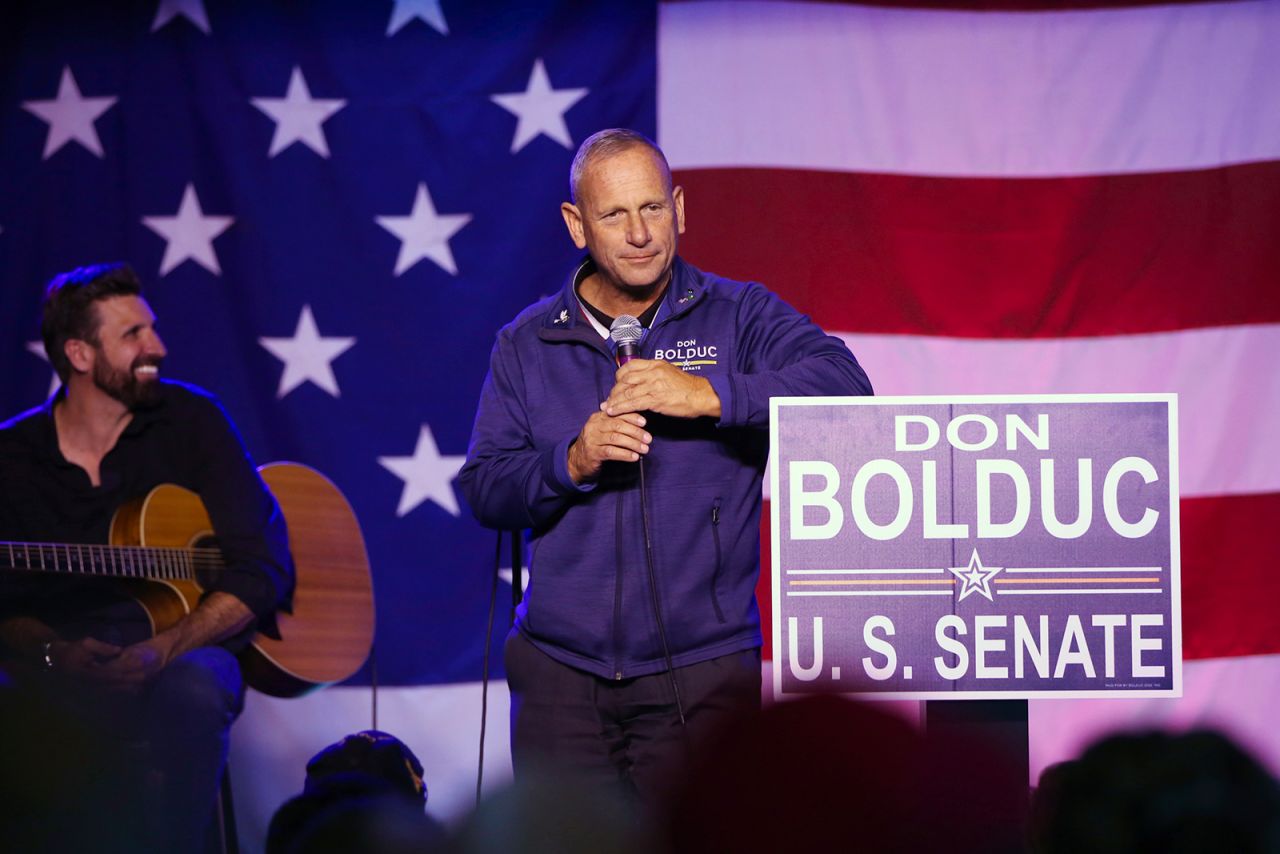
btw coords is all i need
(80, 354)
(573, 222)
(677, 196)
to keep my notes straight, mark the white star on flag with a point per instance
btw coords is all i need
(425, 10)
(426, 474)
(192, 10)
(976, 577)
(307, 356)
(37, 347)
(424, 233)
(70, 116)
(540, 109)
(298, 116)
(189, 234)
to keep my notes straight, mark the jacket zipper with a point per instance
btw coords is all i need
(645, 352)
(618, 575)
(617, 589)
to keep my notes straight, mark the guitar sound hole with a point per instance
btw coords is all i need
(206, 571)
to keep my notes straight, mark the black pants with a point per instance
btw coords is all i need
(83, 767)
(623, 732)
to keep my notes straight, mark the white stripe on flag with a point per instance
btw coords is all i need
(274, 738)
(862, 89)
(1234, 695)
(1226, 378)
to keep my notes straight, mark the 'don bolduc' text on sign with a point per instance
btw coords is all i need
(994, 547)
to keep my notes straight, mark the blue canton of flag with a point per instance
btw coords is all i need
(333, 206)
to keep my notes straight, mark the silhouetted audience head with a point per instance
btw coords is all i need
(373, 753)
(1157, 792)
(364, 793)
(549, 812)
(830, 774)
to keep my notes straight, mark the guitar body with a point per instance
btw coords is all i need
(329, 634)
(166, 517)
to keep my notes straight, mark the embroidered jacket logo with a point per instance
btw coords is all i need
(688, 355)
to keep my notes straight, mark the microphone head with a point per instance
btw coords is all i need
(625, 330)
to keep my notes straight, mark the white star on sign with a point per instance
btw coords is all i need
(426, 474)
(192, 10)
(976, 577)
(540, 109)
(189, 234)
(37, 347)
(424, 233)
(426, 10)
(298, 116)
(307, 357)
(70, 116)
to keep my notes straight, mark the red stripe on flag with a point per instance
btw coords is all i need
(997, 257)
(764, 585)
(1230, 576)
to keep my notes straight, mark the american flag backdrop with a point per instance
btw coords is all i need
(335, 205)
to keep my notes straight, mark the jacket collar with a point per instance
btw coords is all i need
(564, 320)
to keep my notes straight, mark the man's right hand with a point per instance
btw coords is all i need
(84, 657)
(606, 437)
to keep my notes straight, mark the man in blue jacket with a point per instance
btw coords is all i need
(639, 631)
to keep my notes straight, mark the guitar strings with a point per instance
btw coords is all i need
(114, 561)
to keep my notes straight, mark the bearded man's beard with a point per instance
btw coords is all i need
(125, 386)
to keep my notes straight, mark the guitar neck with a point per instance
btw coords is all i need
(107, 561)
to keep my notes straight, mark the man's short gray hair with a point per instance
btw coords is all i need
(607, 143)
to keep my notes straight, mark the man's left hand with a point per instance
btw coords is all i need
(647, 385)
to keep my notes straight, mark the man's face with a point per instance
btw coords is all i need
(128, 352)
(628, 218)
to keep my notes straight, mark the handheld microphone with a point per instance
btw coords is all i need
(626, 332)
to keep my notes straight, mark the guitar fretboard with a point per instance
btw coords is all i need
(108, 561)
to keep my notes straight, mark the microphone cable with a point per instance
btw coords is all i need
(373, 683)
(626, 332)
(653, 592)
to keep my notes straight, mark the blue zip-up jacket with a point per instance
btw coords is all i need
(588, 604)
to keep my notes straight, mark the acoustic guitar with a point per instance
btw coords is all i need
(163, 553)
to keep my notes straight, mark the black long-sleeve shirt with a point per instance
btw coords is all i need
(185, 439)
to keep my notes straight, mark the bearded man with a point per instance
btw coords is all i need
(163, 701)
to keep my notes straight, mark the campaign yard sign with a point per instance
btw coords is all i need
(993, 547)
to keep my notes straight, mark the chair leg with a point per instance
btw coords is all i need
(228, 841)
